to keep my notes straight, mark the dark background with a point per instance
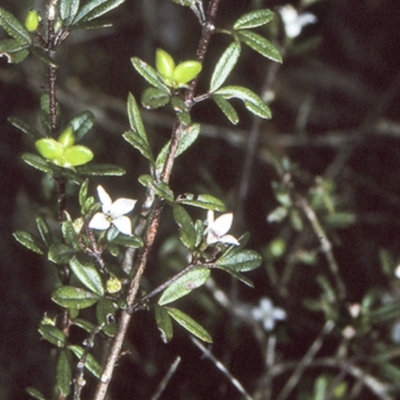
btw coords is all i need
(335, 113)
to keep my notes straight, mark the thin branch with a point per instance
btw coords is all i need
(163, 384)
(223, 369)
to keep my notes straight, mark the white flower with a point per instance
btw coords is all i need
(295, 22)
(113, 213)
(217, 229)
(268, 314)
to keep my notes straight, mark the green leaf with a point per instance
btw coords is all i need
(39, 163)
(162, 190)
(44, 231)
(184, 285)
(49, 148)
(185, 72)
(138, 136)
(260, 45)
(149, 73)
(226, 108)
(13, 27)
(87, 274)
(22, 126)
(188, 137)
(180, 109)
(76, 155)
(165, 64)
(83, 192)
(81, 124)
(251, 101)
(254, 19)
(153, 98)
(105, 314)
(53, 335)
(164, 324)
(128, 241)
(64, 373)
(14, 50)
(96, 8)
(189, 324)
(35, 393)
(68, 10)
(91, 364)
(100, 170)
(60, 253)
(29, 241)
(42, 55)
(69, 234)
(245, 260)
(225, 66)
(204, 201)
(187, 232)
(73, 297)
(85, 325)
(237, 275)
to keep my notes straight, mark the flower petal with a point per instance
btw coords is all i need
(124, 225)
(121, 207)
(229, 239)
(99, 221)
(222, 224)
(105, 199)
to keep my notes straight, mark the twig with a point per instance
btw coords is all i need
(306, 361)
(223, 369)
(154, 217)
(163, 384)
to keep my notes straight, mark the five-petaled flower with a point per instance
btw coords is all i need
(113, 213)
(268, 314)
(217, 229)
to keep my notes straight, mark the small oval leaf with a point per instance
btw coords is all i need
(53, 335)
(29, 241)
(87, 274)
(64, 372)
(91, 364)
(73, 297)
(164, 324)
(254, 19)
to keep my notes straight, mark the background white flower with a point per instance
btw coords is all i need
(295, 22)
(217, 229)
(268, 314)
(113, 213)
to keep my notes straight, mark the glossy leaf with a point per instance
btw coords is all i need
(23, 127)
(133, 241)
(185, 72)
(81, 124)
(83, 192)
(64, 373)
(153, 98)
(100, 170)
(67, 137)
(237, 275)
(184, 285)
(29, 241)
(32, 21)
(204, 201)
(85, 325)
(44, 231)
(162, 190)
(148, 73)
(69, 234)
(86, 272)
(164, 324)
(60, 253)
(180, 109)
(164, 63)
(53, 335)
(187, 232)
(13, 27)
(245, 260)
(91, 364)
(226, 108)
(42, 55)
(254, 19)
(49, 148)
(188, 137)
(96, 8)
(39, 163)
(189, 324)
(137, 137)
(13, 50)
(68, 10)
(73, 297)
(35, 393)
(260, 45)
(225, 66)
(105, 314)
(76, 155)
(251, 101)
